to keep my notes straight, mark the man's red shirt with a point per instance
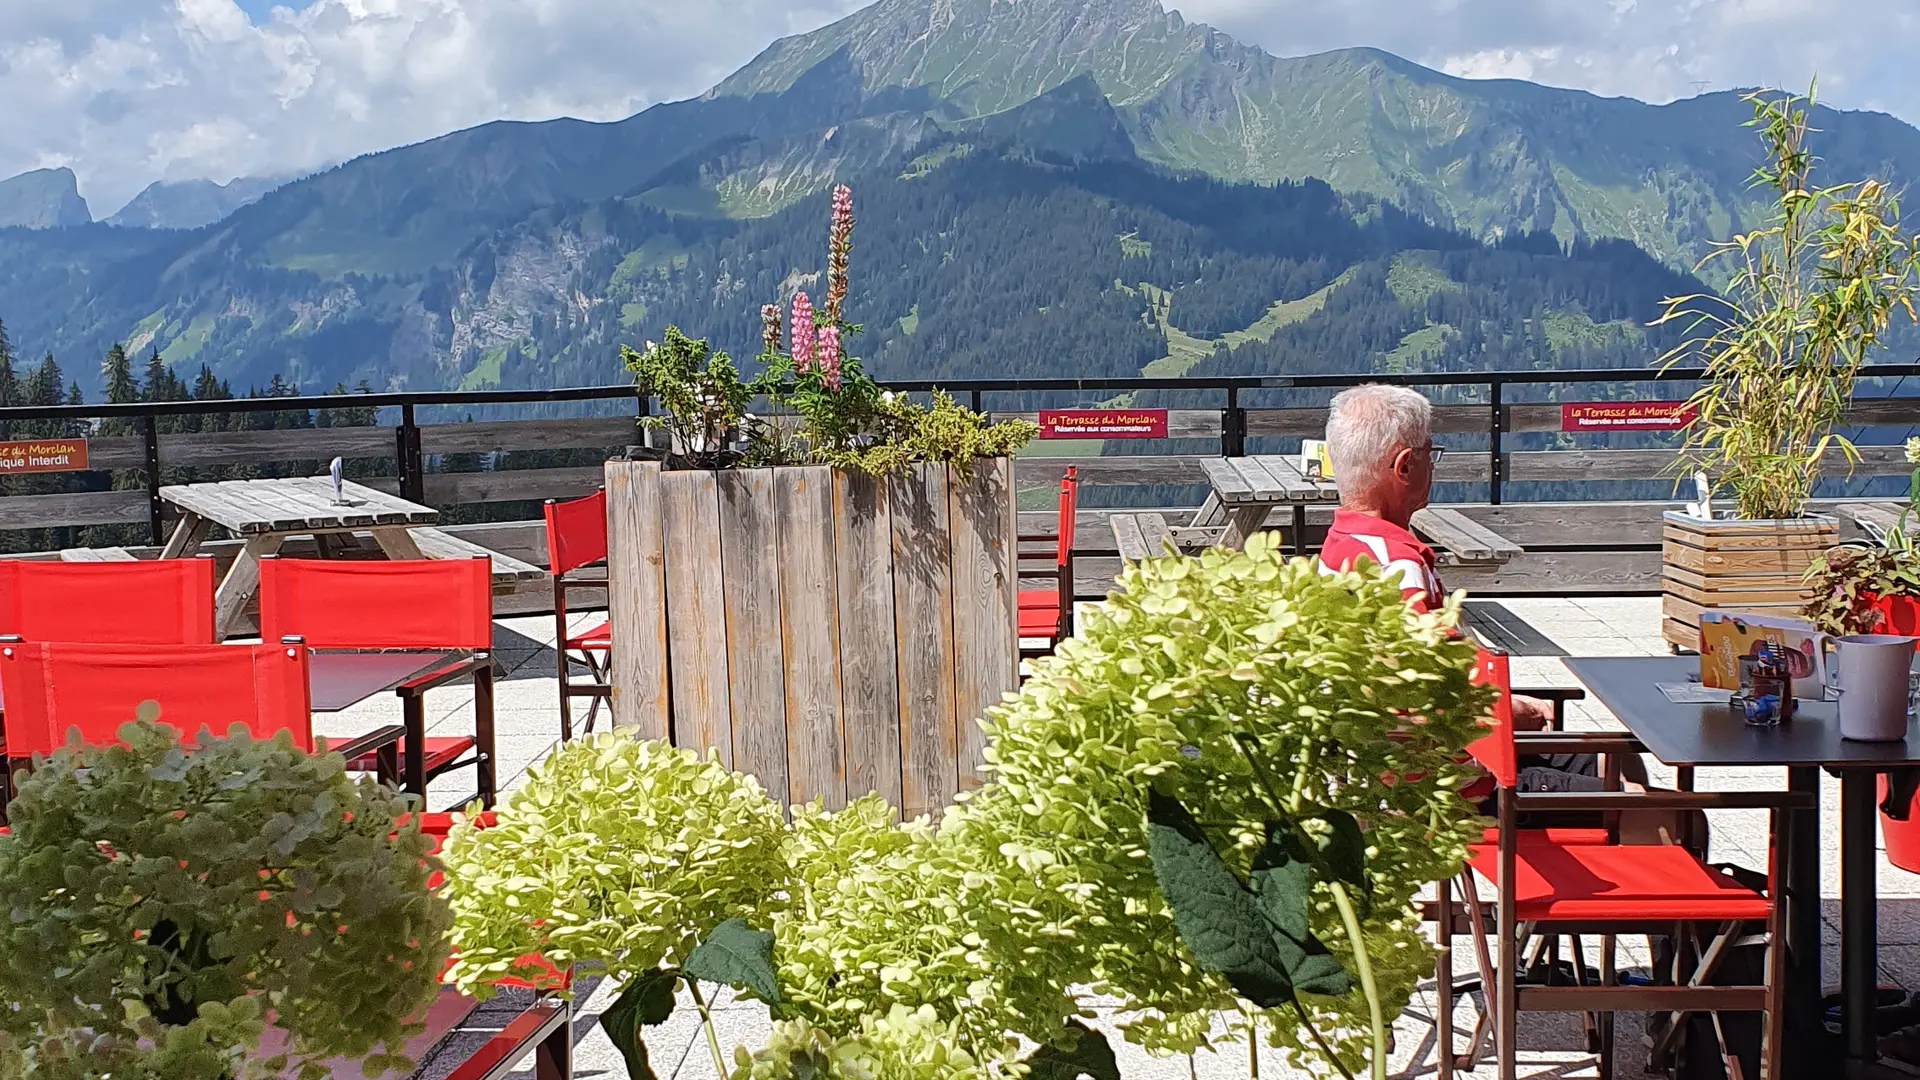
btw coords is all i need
(1395, 549)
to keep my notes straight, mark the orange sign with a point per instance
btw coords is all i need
(43, 455)
(1626, 416)
(1103, 423)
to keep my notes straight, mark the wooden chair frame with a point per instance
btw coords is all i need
(597, 657)
(1693, 990)
(1061, 571)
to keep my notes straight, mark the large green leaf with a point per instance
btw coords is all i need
(646, 1001)
(739, 956)
(1090, 1056)
(1216, 916)
(1282, 884)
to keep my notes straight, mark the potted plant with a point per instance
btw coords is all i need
(838, 573)
(167, 907)
(1811, 297)
(1208, 803)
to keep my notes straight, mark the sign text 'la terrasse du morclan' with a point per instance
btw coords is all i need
(1625, 416)
(43, 455)
(1103, 423)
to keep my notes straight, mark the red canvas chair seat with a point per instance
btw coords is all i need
(1601, 881)
(441, 753)
(1548, 836)
(598, 638)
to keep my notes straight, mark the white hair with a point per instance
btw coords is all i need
(1368, 425)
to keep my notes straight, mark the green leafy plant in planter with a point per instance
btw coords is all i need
(823, 407)
(164, 905)
(1851, 584)
(632, 857)
(1811, 298)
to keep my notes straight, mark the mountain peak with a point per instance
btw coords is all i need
(189, 204)
(987, 56)
(43, 199)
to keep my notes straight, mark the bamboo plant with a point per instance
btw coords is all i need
(1811, 297)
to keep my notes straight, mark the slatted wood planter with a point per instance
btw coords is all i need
(1753, 566)
(830, 633)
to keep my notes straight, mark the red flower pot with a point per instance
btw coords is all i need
(1902, 837)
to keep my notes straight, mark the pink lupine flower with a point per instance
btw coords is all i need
(770, 327)
(839, 246)
(802, 332)
(830, 355)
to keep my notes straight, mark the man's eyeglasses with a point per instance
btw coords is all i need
(1434, 453)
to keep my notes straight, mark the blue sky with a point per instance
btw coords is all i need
(126, 92)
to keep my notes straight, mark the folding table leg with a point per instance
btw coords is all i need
(241, 581)
(1443, 981)
(413, 710)
(553, 1058)
(483, 731)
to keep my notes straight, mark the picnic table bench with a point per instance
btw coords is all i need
(265, 514)
(1879, 519)
(1460, 539)
(102, 554)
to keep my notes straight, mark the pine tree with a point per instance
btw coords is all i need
(116, 375)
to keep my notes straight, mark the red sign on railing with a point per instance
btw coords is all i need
(43, 455)
(1625, 416)
(1103, 423)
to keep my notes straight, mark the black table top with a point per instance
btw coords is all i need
(339, 680)
(1712, 734)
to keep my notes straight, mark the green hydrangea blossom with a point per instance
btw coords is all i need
(617, 852)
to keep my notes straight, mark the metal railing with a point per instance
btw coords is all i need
(411, 462)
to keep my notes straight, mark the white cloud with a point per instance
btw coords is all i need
(129, 91)
(1656, 50)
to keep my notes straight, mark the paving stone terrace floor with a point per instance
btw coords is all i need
(528, 729)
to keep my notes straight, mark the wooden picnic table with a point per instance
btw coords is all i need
(1247, 489)
(265, 514)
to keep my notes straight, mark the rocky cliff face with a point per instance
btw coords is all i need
(43, 199)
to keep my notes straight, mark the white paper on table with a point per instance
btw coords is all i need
(1692, 694)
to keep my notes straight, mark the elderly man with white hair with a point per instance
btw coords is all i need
(1381, 441)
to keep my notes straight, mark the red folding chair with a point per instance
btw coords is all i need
(576, 539)
(54, 689)
(1047, 614)
(1567, 885)
(150, 602)
(413, 606)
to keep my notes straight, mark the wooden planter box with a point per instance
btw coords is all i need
(1733, 565)
(830, 633)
